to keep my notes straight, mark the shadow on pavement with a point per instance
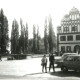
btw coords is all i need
(66, 74)
(33, 74)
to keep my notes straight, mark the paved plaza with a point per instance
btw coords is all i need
(30, 69)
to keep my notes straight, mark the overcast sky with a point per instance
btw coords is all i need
(35, 11)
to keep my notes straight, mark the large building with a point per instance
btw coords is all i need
(68, 34)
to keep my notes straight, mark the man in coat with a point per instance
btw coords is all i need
(51, 62)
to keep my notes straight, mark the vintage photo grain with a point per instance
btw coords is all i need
(39, 39)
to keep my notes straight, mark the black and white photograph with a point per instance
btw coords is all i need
(39, 39)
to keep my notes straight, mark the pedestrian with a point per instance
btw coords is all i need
(51, 62)
(44, 63)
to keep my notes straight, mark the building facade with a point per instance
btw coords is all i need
(68, 34)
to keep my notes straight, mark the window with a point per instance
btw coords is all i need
(74, 28)
(70, 16)
(59, 29)
(76, 59)
(66, 29)
(63, 48)
(70, 38)
(63, 38)
(77, 15)
(69, 58)
(77, 37)
(73, 17)
(68, 48)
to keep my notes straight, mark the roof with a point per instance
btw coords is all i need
(74, 55)
(74, 10)
(70, 53)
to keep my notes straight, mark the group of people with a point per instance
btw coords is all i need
(44, 63)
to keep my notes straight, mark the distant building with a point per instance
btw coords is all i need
(68, 34)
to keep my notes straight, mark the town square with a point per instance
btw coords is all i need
(40, 39)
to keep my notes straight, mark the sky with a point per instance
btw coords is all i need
(35, 11)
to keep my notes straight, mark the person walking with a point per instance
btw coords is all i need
(44, 63)
(51, 62)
